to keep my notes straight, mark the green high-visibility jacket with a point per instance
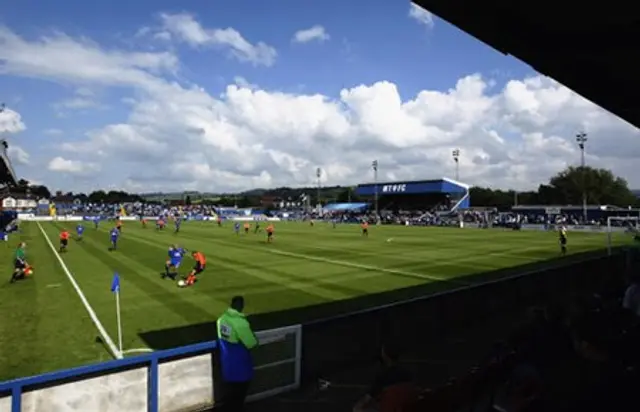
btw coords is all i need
(235, 339)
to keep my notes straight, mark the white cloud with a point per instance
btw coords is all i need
(60, 164)
(316, 33)
(242, 82)
(182, 137)
(185, 28)
(83, 100)
(53, 132)
(62, 58)
(11, 121)
(421, 15)
(18, 155)
(77, 103)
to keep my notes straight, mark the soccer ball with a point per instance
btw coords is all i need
(28, 272)
(182, 283)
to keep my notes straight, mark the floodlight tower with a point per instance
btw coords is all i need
(456, 158)
(374, 166)
(318, 177)
(581, 138)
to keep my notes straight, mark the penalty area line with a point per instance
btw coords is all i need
(92, 314)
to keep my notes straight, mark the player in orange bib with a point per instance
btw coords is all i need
(144, 223)
(198, 268)
(270, 229)
(365, 229)
(119, 225)
(64, 241)
(247, 226)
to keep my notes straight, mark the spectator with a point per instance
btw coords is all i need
(392, 389)
(631, 300)
(521, 393)
(235, 339)
(605, 384)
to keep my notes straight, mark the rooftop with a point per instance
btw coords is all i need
(590, 48)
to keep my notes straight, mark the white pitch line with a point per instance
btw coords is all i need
(138, 350)
(92, 314)
(367, 267)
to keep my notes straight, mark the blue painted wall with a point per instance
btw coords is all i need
(428, 186)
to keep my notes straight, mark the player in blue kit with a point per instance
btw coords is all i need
(115, 234)
(173, 263)
(96, 222)
(236, 228)
(79, 231)
(177, 222)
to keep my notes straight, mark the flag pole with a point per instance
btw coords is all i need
(119, 321)
(115, 288)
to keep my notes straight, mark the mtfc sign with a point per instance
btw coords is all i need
(394, 188)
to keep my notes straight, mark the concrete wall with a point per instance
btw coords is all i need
(183, 385)
(186, 384)
(5, 403)
(116, 392)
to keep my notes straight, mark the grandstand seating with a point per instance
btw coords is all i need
(7, 174)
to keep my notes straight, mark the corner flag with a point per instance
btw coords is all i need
(115, 288)
(115, 283)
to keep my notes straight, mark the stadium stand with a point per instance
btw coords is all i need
(7, 174)
(418, 201)
(573, 215)
(7, 181)
(564, 355)
(554, 41)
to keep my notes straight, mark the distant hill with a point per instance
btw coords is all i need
(636, 192)
(285, 193)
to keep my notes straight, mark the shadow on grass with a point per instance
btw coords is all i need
(186, 335)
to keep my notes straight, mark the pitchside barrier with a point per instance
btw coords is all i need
(179, 379)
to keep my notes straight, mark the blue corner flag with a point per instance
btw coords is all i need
(115, 283)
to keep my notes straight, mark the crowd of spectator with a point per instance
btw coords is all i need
(582, 356)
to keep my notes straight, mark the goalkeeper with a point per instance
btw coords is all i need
(19, 263)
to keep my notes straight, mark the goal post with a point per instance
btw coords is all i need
(621, 224)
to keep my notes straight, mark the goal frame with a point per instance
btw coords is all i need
(610, 219)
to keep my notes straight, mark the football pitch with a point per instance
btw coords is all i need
(308, 272)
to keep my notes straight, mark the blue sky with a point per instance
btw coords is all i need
(364, 43)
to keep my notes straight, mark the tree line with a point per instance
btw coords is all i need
(600, 186)
(26, 189)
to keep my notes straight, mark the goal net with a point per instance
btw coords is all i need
(621, 229)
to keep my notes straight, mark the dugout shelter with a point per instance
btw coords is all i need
(444, 194)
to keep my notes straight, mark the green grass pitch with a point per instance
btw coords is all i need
(44, 326)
